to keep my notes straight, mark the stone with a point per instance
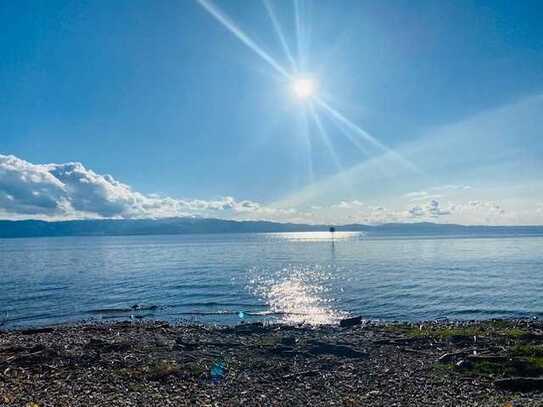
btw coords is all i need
(350, 321)
(318, 347)
(520, 383)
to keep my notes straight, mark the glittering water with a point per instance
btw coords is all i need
(291, 277)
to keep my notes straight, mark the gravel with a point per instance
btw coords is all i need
(367, 364)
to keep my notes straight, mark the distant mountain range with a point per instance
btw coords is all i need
(178, 226)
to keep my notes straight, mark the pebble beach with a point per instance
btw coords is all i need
(488, 363)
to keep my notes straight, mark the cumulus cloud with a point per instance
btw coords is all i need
(474, 212)
(25, 188)
(482, 212)
(69, 190)
(422, 196)
(483, 206)
(348, 204)
(73, 191)
(432, 209)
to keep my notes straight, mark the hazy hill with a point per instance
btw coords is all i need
(109, 227)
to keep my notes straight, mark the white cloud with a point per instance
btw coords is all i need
(436, 192)
(484, 206)
(70, 190)
(25, 188)
(421, 196)
(431, 210)
(482, 212)
(348, 204)
(451, 187)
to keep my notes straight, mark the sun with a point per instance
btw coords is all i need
(303, 88)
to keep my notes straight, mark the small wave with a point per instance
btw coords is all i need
(220, 312)
(494, 313)
(108, 310)
(486, 311)
(254, 314)
(219, 304)
(133, 308)
(51, 288)
(30, 317)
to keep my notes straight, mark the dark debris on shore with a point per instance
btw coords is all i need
(489, 363)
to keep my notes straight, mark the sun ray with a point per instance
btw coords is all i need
(364, 134)
(299, 35)
(304, 124)
(279, 32)
(348, 134)
(325, 138)
(214, 11)
(347, 124)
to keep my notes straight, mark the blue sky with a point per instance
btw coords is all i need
(190, 120)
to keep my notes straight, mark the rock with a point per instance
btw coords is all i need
(22, 349)
(488, 358)
(524, 367)
(400, 341)
(288, 340)
(31, 359)
(301, 374)
(188, 346)
(281, 350)
(450, 357)
(319, 348)
(464, 364)
(33, 331)
(460, 339)
(252, 328)
(162, 369)
(350, 321)
(106, 346)
(144, 307)
(520, 383)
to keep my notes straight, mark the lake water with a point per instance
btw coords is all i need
(291, 277)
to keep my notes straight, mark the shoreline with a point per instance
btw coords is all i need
(484, 363)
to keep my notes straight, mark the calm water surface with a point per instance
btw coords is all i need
(290, 277)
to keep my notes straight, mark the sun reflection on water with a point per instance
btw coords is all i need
(298, 294)
(317, 236)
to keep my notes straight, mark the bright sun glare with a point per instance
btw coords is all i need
(303, 88)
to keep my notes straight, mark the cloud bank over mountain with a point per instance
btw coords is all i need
(72, 191)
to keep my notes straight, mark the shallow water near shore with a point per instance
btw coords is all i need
(290, 277)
